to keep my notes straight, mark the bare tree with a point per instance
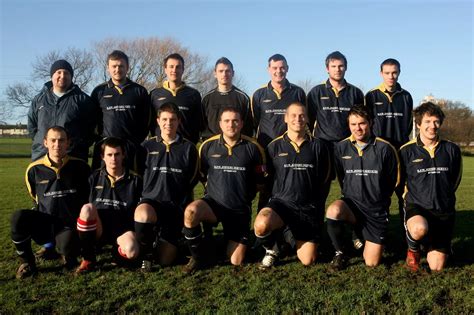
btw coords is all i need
(19, 95)
(306, 84)
(90, 67)
(5, 112)
(146, 57)
(81, 61)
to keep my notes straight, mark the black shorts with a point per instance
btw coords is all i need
(304, 222)
(114, 224)
(440, 228)
(44, 228)
(330, 147)
(236, 224)
(170, 220)
(373, 229)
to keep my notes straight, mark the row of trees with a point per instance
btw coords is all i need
(459, 123)
(146, 56)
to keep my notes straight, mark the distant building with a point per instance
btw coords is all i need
(18, 130)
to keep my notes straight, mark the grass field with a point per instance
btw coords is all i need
(288, 288)
(15, 147)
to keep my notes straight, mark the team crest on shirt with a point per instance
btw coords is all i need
(99, 187)
(283, 154)
(108, 96)
(417, 161)
(216, 155)
(347, 157)
(45, 181)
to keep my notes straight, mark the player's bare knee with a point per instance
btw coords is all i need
(131, 251)
(436, 263)
(236, 261)
(191, 216)
(418, 231)
(436, 266)
(236, 256)
(307, 260)
(261, 227)
(88, 212)
(372, 262)
(128, 245)
(334, 211)
(143, 213)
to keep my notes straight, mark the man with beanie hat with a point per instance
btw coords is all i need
(61, 64)
(62, 103)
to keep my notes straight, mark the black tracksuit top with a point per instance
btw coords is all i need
(212, 104)
(328, 110)
(171, 171)
(188, 101)
(431, 176)
(368, 176)
(59, 192)
(393, 120)
(120, 196)
(123, 112)
(269, 108)
(298, 173)
(232, 172)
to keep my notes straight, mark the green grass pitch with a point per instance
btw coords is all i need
(288, 288)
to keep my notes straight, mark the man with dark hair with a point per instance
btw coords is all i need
(298, 167)
(224, 95)
(392, 107)
(58, 185)
(269, 102)
(176, 91)
(62, 103)
(232, 165)
(170, 175)
(432, 170)
(108, 217)
(123, 110)
(328, 107)
(329, 103)
(368, 172)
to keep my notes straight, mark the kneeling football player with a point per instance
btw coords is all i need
(108, 217)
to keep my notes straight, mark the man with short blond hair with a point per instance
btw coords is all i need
(298, 167)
